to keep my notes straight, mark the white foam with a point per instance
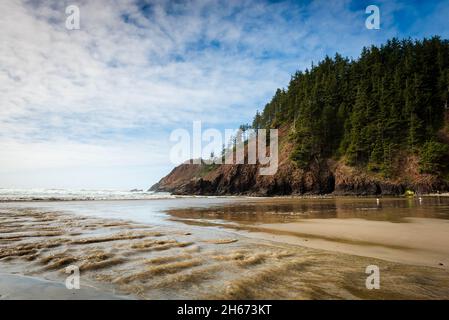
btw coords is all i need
(74, 194)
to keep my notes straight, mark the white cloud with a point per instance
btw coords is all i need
(103, 93)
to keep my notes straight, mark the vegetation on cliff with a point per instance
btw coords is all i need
(393, 98)
(378, 124)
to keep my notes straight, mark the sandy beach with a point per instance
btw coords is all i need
(397, 230)
(417, 242)
(125, 259)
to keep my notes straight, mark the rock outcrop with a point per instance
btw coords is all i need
(326, 177)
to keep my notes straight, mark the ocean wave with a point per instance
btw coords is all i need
(82, 194)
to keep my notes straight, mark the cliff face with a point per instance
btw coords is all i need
(325, 177)
(329, 178)
(377, 125)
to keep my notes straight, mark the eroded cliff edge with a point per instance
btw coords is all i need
(324, 177)
(377, 125)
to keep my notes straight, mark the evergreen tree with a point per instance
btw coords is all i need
(392, 98)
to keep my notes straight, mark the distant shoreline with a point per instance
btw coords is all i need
(172, 196)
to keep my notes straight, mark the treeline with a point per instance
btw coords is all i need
(391, 98)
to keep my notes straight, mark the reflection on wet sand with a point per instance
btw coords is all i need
(149, 262)
(404, 230)
(284, 209)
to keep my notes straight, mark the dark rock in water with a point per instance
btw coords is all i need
(136, 190)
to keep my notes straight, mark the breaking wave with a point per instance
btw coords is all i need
(81, 194)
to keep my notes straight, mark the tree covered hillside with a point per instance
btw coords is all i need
(392, 100)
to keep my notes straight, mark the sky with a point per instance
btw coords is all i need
(94, 108)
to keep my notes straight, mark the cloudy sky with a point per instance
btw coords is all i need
(94, 107)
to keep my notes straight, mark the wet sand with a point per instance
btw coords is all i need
(405, 230)
(18, 287)
(142, 261)
(418, 241)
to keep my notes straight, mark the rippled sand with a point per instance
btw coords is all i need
(148, 262)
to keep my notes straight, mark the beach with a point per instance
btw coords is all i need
(204, 252)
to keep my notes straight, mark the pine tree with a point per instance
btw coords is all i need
(392, 98)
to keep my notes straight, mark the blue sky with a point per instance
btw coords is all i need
(94, 108)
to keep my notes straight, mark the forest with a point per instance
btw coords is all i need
(392, 100)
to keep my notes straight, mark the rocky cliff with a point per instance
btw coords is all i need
(376, 125)
(325, 177)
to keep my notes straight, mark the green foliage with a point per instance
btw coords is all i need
(391, 98)
(206, 168)
(433, 156)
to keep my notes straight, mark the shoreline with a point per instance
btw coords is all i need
(399, 230)
(420, 242)
(253, 197)
(183, 261)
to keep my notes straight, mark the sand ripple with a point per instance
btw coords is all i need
(156, 263)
